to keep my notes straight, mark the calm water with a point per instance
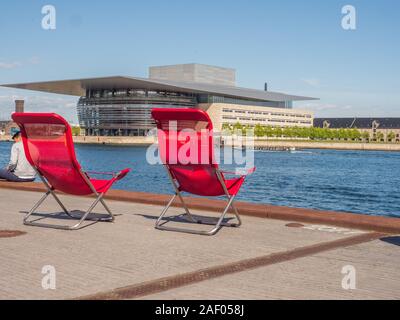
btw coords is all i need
(352, 181)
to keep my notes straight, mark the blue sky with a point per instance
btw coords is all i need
(298, 47)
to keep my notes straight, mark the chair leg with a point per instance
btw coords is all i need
(212, 232)
(112, 218)
(236, 213)
(178, 194)
(159, 220)
(188, 213)
(94, 204)
(37, 205)
(60, 203)
(63, 227)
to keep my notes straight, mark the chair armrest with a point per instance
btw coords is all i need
(241, 172)
(120, 175)
(100, 173)
(116, 175)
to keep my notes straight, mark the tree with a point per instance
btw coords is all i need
(259, 130)
(342, 133)
(391, 136)
(269, 131)
(330, 134)
(287, 132)
(380, 136)
(365, 136)
(246, 129)
(76, 131)
(323, 133)
(226, 126)
(278, 132)
(305, 132)
(238, 126)
(355, 134)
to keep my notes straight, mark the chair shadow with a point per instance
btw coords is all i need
(392, 240)
(76, 215)
(183, 219)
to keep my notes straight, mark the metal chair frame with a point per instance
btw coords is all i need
(50, 190)
(217, 226)
(87, 185)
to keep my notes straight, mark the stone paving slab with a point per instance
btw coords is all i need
(316, 277)
(106, 256)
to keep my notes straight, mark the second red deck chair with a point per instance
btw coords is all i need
(201, 175)
(49, 148)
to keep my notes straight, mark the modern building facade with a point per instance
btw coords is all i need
(121, 106)
(382, 129)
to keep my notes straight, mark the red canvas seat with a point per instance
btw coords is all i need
(201, 180)
(186, 148)
(101, 186)
(49, 148)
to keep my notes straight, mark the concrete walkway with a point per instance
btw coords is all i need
(264, 259)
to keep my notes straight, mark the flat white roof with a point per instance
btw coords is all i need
(78, 87)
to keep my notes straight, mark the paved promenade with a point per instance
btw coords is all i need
(129, 259)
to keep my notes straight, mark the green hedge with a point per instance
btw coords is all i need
(305, 133)
(76, 131)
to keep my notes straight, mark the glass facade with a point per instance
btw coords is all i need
(125, 112)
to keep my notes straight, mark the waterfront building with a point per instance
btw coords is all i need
(121, 106)
(379, 129)
(9, 127)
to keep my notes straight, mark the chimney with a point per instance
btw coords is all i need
(19, 105)
(266, 86)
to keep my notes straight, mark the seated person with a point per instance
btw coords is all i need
(19, 169)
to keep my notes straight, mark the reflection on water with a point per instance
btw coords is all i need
(352, 181)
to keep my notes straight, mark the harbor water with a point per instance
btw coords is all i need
(365, 182)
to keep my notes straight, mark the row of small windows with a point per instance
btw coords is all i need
(205, 98)
(265, 120)
(105, 93)
(277, 114)
(117, 132)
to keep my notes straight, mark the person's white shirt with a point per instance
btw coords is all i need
(19, 165)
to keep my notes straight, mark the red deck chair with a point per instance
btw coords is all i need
(49, 148)
(199, 177)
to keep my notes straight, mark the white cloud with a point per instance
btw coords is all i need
(10, 65)
(17, 64)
